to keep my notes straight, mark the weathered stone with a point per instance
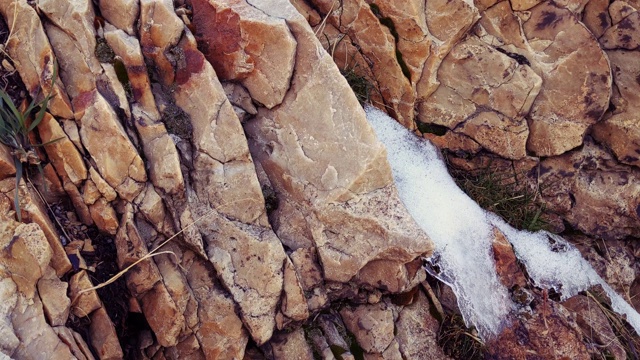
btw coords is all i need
(620, 132)
(306, 264)
(34, 59)
(74, 341)
(162, 315)
(159, 149)
(372, 326)
(290, 346)
(576, 77)
(294, 304)
(341, 198)
(49, 185)
(417, 331)
(53, 293)
(507, 268)
(596, 17)
(219, 330)
(122, 13)
(356, 18)
(103, 336)
(83, 304)
(107, 191)
(624, 34)
(62, 152)
(7, 164)
(77, 200)
(244, 44)
(592, 192)
(37, 338)
(33, 211)
(594, 324)
(90, 192)
(131, 247)
(104, 216)
(391, 276)
(549, 332)
(99, 122)
(25, 255)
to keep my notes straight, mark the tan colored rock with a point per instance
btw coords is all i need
(34, 59)
(375, 41)
(162, 315)
(417, 331)
(33, 211)
(61, 151)
(391, 276)
(290, 346)
(294, 304)
(307, 267)
(372, 326)
(244, 44)
(7, 164)
(83, 304)
(507, 266)
(577, 86)
(159, 149)
(104, 216)
(37, 338)
(624, 34)
(71, 129)
(53, 293)
(220, 331)
(499, 134)
(157, 40)
(596, 17)
(123, 13)
(131, 247)
(25, 255)
(104, 339)
(341, 197)
(117, 160)
(587, 187)
(107, 191)
(77, 200)
(90, 192)
(74, 341)
(620, 132)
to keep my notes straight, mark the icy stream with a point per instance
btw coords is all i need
(462, 233)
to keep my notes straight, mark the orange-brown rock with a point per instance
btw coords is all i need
(62, 152)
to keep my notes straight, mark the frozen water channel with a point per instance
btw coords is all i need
(462, 233)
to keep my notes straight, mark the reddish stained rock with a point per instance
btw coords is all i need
(246, 45)
(62, 152)
(509, 272)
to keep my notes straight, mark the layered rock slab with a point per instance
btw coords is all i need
(332, 171)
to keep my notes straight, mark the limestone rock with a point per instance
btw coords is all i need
(122, 13)
(53, 293)
(620, 132)
(74, 341)
(62, 152)
(84, 303)
(594, 324)
(34, 59)
(417, 331)
(624, 34)
(7, 164)
(159, 149)
(244, 44)
(103, 336)
(162, 315)
(507, 267)
(104, 216)
(372, 326)
(576, 89)
(593, 192)
(290, 345)
(341, 198)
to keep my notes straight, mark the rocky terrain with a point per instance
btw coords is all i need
(215, 151)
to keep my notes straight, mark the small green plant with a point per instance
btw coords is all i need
(505, 193)
(14, 133)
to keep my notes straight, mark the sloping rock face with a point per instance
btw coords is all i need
(151, 152)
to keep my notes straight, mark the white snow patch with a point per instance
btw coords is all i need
(462, 233)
